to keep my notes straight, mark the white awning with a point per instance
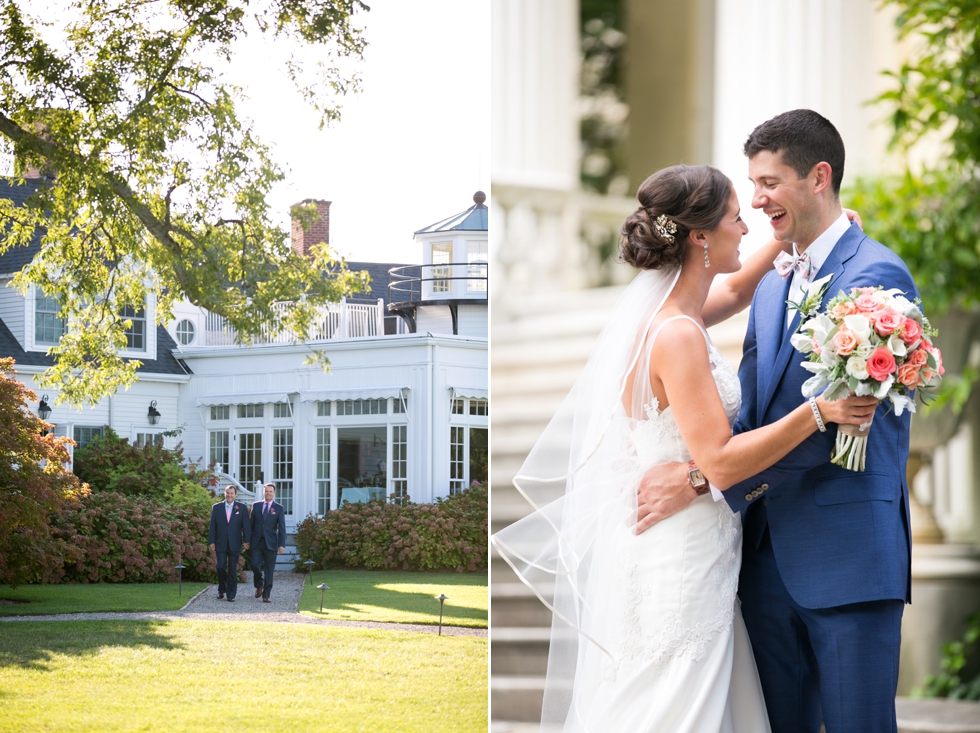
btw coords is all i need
(242, 398)
(475, 393)
(352, 393)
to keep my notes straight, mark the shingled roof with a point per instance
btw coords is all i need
(15, 259)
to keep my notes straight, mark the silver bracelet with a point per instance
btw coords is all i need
(816, 415)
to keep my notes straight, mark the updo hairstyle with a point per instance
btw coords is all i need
(692, 197)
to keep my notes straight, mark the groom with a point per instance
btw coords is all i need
(826, 551)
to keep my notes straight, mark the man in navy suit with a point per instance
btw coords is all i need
(269, 533)
(826, 552)
(229, 533)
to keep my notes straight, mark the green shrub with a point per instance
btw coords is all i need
(111, 463)
(450, 534)
(109, 537)
(956, 680)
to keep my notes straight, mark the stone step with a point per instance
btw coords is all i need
(516, 697)
(920, 715)
(515, 606)
(519, 651)
(541, 353)
(513, 726)
(556, 378)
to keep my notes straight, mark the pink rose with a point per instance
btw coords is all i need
(908, 374)
(817, 349)
(866, 303)
(841, 310)
(887, 321)
(881, 363)
(866, 291)
(912, 332)
(918, 358)
(938, 356)
(845, 341)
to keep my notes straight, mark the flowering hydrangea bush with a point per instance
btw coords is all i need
(870, 341)
(447, 535)
(108, 537)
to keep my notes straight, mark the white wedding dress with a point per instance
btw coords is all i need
(675, 655)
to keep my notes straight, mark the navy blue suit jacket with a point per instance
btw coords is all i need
(225, 536)
(838, 536)
(269, 531)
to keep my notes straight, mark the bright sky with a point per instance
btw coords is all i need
(410, 150)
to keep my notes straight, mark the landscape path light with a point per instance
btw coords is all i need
(323, 588)
(442, 599)
(180, 585)
(309, 570)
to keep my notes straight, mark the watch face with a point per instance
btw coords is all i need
(697, 478)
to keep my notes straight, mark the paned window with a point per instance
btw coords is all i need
(282, 409)
(362, 454)
(84, 434)
(250, 410)
(48, 326)
(185, 332)
(218, 449)
(459, 407)
(323, 409)
(442, 257)
(323, 470)
(476, 268)
(479, 456)
(362, 407)
(143, 439)
(220, 412)
(399, 461)
(136, 332)
(457, 464)
(249, 458)
(282, 466)
(399, 405)
(479, 407)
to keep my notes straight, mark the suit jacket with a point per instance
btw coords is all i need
(269, 530)
(838, 536)
(229, 536)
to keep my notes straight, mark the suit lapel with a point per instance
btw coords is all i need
(772, 301)
(779, 347)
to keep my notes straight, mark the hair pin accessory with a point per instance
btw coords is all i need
(665, 228)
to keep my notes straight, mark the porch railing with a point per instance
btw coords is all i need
(334, 321)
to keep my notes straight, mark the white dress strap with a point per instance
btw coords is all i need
(656, 331)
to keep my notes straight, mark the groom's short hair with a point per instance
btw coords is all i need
(804, 138)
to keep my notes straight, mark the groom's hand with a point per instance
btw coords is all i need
(663, 491)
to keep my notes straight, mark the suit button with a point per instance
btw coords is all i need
(764, 487)
(749, 497)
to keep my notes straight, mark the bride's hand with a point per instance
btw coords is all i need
(852, 215)
(852, 411)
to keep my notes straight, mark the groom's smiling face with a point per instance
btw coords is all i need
(787, 200)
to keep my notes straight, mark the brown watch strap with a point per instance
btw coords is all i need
(693, 472)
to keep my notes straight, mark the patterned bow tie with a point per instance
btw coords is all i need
(786, 264)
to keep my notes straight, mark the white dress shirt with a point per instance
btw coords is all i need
(818, 251)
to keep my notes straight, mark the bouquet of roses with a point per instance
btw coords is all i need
(870, 341)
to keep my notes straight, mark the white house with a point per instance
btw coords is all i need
(402, 411)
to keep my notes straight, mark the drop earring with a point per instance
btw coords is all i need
(706, 262)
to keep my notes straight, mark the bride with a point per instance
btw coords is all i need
(647, 633)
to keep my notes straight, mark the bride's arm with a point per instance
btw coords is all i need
(684, 370)
(733, 294)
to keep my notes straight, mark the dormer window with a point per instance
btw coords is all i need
(136, 333)
(48, 326)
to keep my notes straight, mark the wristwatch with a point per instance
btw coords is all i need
(697, 479)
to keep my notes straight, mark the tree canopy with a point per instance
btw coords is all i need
(152, 183)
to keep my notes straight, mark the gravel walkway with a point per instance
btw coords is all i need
(284, 601)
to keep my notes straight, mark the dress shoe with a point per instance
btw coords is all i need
(231, 600)
(258, 591)
(220, 596)
(266, 600)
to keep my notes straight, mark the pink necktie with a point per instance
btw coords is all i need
(786, 264)
(265, 509)
(228, 511)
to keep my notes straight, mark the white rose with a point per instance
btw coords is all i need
(857, 368)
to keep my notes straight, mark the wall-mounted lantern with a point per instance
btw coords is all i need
(153, 415)
(44, 409)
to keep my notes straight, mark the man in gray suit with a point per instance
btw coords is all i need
(229, 533)
(269, 531)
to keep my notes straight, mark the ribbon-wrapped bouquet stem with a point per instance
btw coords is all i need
(870, 341)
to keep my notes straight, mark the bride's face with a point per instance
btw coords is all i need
(724, 240)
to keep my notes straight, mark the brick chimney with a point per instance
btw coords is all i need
(318, 231)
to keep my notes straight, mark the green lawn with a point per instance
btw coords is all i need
(177, 676)
(47, 599)
(402, 597)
